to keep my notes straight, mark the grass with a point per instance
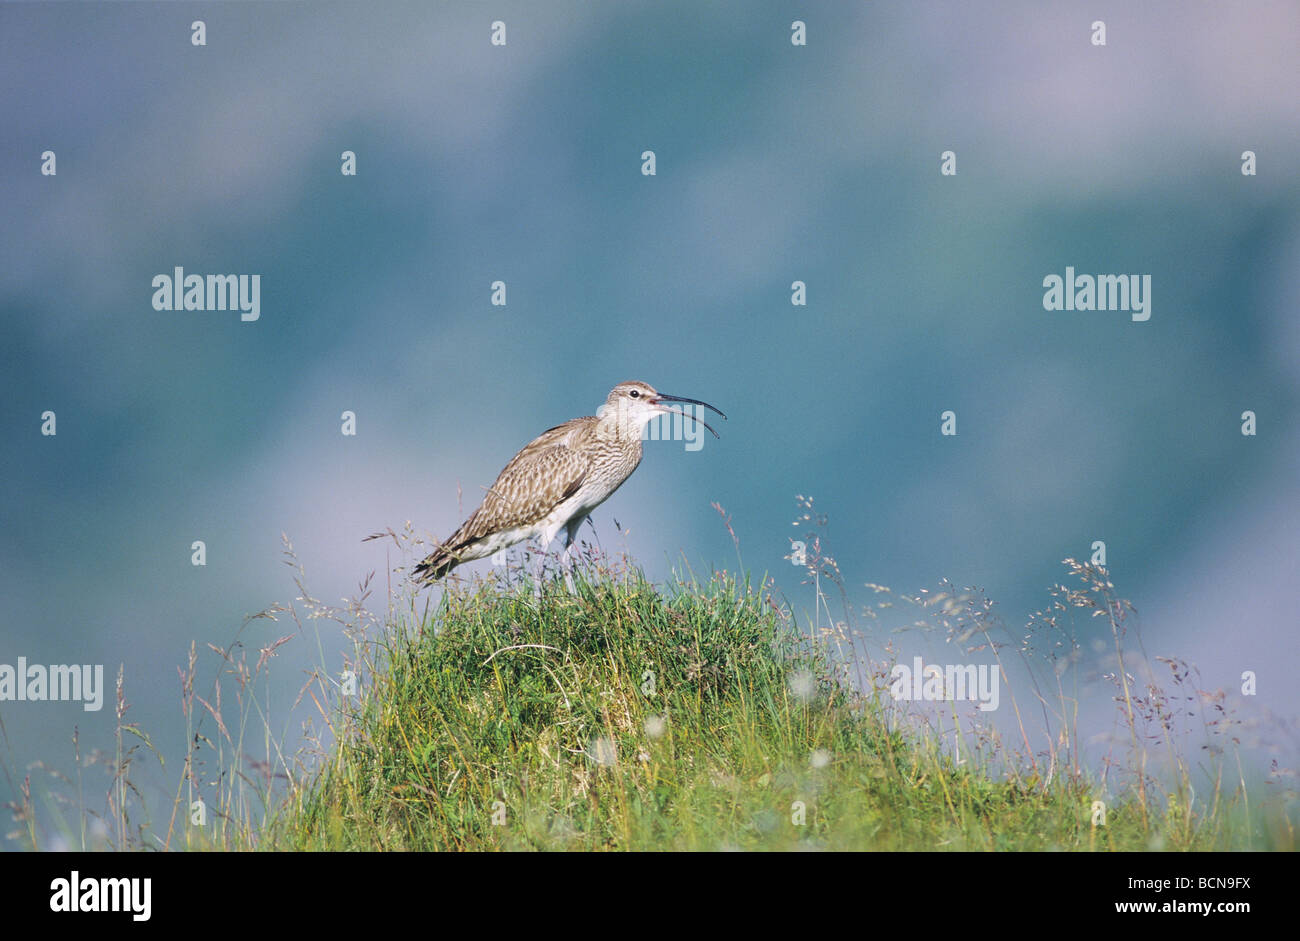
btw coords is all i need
(628, 717)
(694, 715)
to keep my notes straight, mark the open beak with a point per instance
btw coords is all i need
(661, 397)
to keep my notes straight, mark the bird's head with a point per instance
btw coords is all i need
(631, 405)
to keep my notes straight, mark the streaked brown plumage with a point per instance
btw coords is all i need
(557, 479)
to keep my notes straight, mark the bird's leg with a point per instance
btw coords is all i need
(541, 568)
(570, 544)
(501, 560)
(566, 562)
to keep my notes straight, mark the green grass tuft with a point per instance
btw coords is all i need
(628, 717)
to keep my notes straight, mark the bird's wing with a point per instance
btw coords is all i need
(544, 474)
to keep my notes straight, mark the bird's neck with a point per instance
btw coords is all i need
(619, 425)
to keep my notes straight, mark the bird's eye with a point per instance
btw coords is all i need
(635, 394)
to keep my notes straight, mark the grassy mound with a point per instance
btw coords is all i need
(628, 717)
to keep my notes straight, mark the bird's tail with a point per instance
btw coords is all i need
(447, 556)
(437, 564)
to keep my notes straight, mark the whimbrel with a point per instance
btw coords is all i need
(558, 479)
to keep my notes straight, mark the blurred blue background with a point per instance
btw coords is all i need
(522, 163)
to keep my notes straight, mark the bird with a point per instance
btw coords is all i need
(558, 478)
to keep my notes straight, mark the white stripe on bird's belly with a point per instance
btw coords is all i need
(496, 544)
(551, 526)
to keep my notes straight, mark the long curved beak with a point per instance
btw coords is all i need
(662, 397)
